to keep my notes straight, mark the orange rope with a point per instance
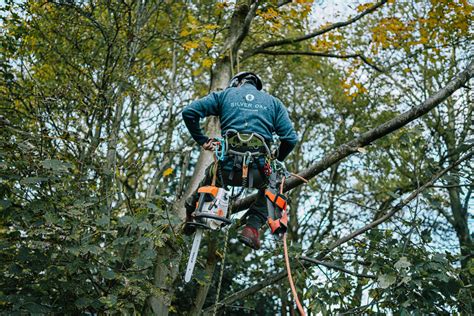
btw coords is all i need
(292, 285)
(287, 263)
(299, 177)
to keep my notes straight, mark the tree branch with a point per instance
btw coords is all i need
(370, 136)
(279, 276)
(336, 267)
(319, 54)
(396, 208)
(324, 30)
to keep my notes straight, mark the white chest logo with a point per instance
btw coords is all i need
(249, 97)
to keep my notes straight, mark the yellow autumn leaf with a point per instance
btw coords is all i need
(364, 6)
(167, 172)
(207, 41)
(211, 26)
(207, 62)
(184, 32)
(189, 45)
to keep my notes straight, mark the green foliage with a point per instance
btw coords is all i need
(62, 250)
(93, 156)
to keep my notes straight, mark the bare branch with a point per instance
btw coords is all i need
(395, 209)
(319, 54)
(336, 267)
(324, 30)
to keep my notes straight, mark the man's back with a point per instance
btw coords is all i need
(246, 110)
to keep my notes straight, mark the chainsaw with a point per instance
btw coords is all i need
(211, 214)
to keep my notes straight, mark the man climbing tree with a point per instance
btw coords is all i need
(248, 118)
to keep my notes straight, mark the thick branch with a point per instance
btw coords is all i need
(319, 54)
(279, 276)
(366, 138)
(324, 30)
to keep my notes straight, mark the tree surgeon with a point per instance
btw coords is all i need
(249, 118)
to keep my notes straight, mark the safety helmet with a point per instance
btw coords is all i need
(249, 76)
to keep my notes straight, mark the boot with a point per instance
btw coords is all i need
(249, 237)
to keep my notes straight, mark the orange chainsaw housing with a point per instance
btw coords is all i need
(210, 189)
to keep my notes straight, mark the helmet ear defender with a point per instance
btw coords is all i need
(249, 76)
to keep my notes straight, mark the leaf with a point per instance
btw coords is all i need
(402, 263)
(385, 280)
(103, 220)
(362, 150)
(4, 204)
(167, 172)
(394, 195)
(33, 180)
(190, 45)
(184, 33)
(82, 302)
(109, 274)
(207, 62)
(56, 165)
(51, 218)
(126, 220)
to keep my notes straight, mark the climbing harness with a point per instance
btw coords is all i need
(246, 149)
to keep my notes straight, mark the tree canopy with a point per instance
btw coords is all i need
(95, 161)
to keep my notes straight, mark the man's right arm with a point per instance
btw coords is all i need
(284, 129)
(197, 110)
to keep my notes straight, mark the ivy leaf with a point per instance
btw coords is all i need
(385, 280)
(402, 263)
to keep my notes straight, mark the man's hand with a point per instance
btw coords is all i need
(209, 145)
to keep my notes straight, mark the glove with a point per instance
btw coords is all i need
(210, 144)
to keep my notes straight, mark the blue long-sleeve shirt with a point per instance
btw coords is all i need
(246, 110)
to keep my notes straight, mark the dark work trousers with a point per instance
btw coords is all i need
(257, 214)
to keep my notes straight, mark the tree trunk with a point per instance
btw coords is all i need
(239, 26)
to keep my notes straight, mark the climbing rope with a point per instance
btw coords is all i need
(287, 260)
(290, 279)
